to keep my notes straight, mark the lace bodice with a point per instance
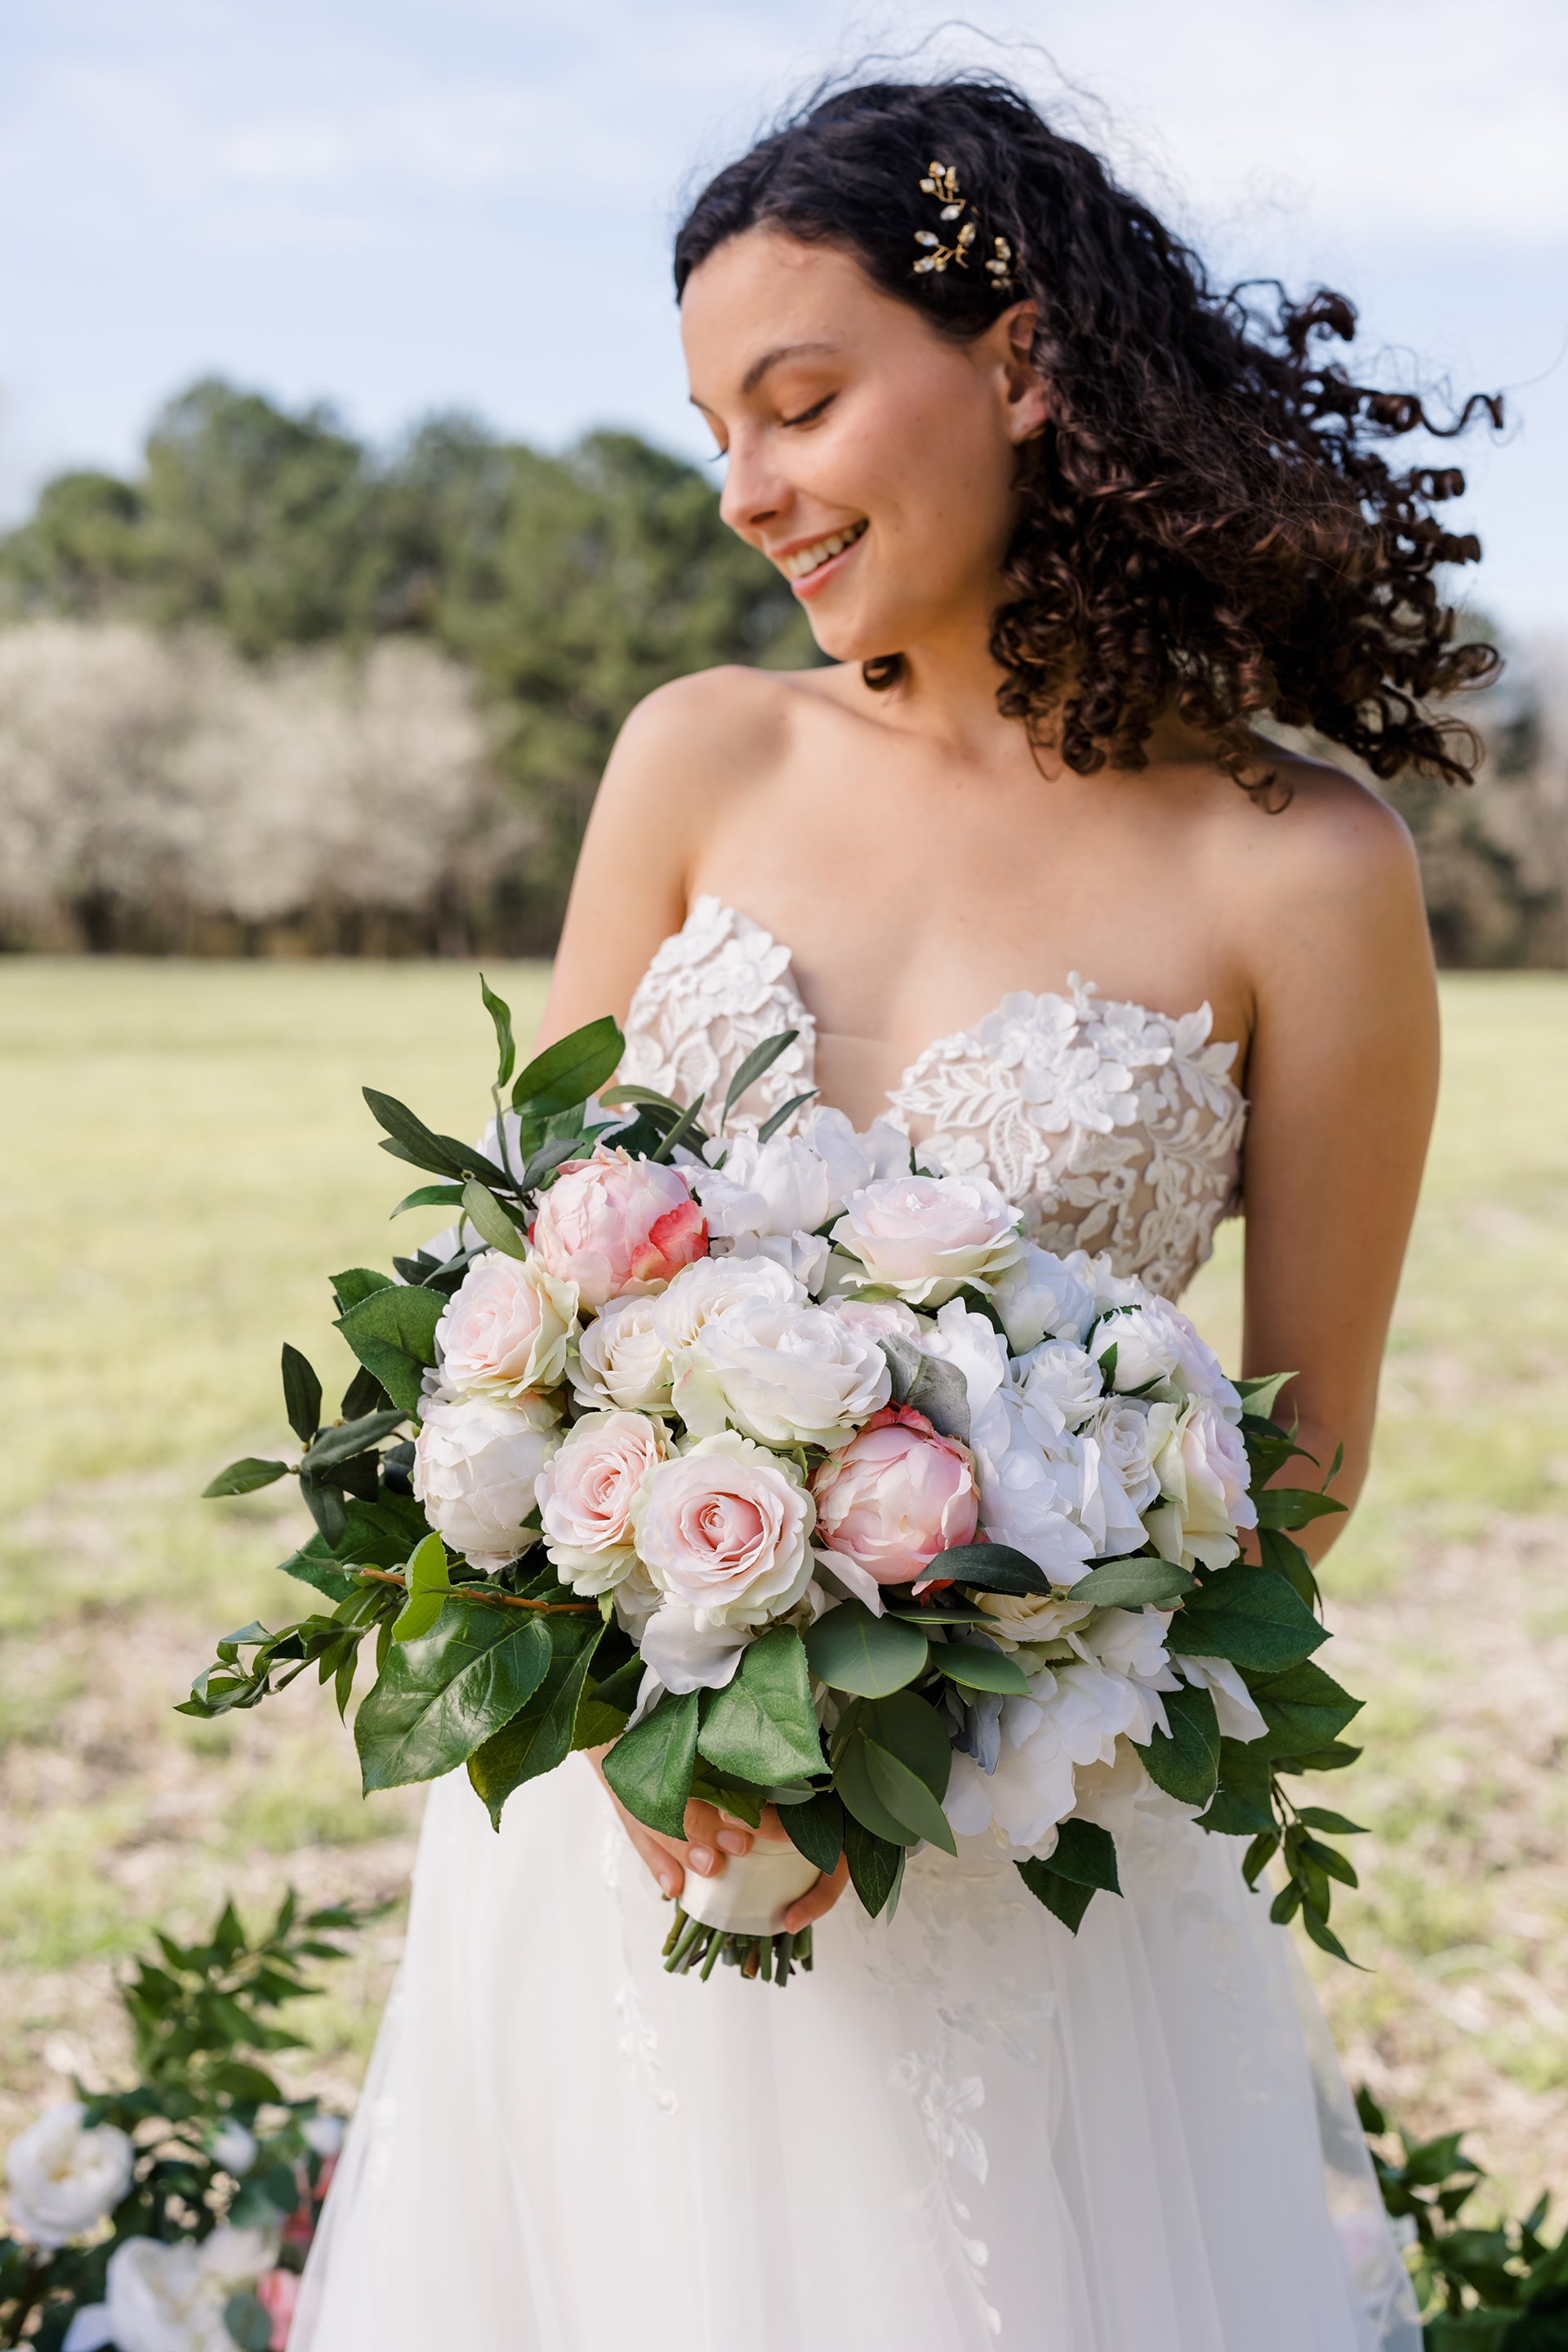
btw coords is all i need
(1114, 1128)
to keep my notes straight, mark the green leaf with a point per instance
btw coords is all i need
(875, 1864)
(302, 1394)
(1231, 1814)
(1292, 1506)
(1186, 1765)
(348, 1438)
(490, 1221)
(650, 1768)
(543, 1733)
(1133, 1584)
(990, 1568)
(815, 1829)
(1259, 1855)
(357, 1282)
(571, 1069)
(506, 1047)
(1250, 1617)
(785, 1111)
(1286, 1903)
(247, 2321)
(1323, 1935)
(1282, 1558)
(1316, 1817)
(1067, 1898)
(244, 1476)
(1261, 1395)
(762, 1725)
(1330, 1859)
(907, 1798)
(926, 1384)
(440, 1697)
(760, 1058)
(392, 1333)
(1087, 1854)
(850, 1650)
(682, 1132)
(430, 1196)
(1332, 1758)
(1304, 1709)
(428, 1585)
(315, 1564)
(853, 1781)
(973, 1666)
(910, 1728)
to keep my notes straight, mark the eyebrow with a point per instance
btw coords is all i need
(759, 368)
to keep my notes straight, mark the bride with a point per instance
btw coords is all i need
(1018, 871)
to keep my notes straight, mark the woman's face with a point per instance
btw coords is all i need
(870, 458)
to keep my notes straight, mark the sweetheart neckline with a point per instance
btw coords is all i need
(709, 905)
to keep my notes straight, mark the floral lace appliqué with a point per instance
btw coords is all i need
(716, 989)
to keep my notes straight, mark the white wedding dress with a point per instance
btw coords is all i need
(965, 2128)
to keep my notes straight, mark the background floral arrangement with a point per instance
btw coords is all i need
(174, 2215)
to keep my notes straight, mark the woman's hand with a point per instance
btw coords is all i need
(711, 1838)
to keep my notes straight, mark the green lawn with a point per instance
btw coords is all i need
(186, 1153)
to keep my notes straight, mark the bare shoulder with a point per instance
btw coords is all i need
(710, 730)
(1321, 847)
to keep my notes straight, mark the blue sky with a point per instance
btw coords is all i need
(431, 203)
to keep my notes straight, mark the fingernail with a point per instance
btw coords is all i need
(735, 1840)
(703, 1858)
(666, 1882)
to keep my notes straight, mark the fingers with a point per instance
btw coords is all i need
(770, 1825)
(662, 1856)
(819, 1899)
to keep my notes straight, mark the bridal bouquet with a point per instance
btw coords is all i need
(794, 1475)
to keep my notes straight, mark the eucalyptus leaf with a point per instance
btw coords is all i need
(974, 1666)
(990, 1568)
(862, 1800)
(817, 1829)
(907, 1798)
(874, 1865)
(1134, 1584)
(851, 1649)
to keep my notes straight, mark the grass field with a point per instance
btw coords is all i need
(185, 1155)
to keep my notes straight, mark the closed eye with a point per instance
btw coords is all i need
(810, 415)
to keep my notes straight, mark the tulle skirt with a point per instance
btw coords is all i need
(965, 2128)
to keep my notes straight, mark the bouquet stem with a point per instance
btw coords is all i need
(693, 1944)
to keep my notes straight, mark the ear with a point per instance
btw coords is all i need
(1025, 390)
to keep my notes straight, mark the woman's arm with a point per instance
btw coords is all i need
(1342, 1081)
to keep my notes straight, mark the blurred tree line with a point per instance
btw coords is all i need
(567, 587)
(281, 692)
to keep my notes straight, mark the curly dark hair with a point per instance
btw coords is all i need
(1208, 523)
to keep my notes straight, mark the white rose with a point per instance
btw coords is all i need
(170, 2297)
(1060, 1387)
(725, 1528)
(1016, 1618)
(1236, 1712)
(322, 2135)
(1203, 1472)
(621, 1359)
(505, 1329)
(802, 1255)
(585, 1492)
(708, 1287)
(1146, 1352)
(234, 2148)
(879, 1318)
(779, 1187)
(1026, 1498)
(63, 2178)
(854, 1161)
(475, 1462)
(1198, 1370)
(1132, 1641)
(923, 1237)
(1074, 1715)
(1107, 1287)
(1039, 1299)
(1102, 1510)
(784, 1374)
(685, 1652)
(1122, 1429)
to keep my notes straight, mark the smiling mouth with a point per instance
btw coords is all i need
(805, 560)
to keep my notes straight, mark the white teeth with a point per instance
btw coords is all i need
(811, 559)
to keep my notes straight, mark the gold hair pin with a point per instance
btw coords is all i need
(942, 184)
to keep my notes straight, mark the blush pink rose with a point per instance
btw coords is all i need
(896, 1496)
(617, 1228)
(585, 1496)
(278, 2292)
(725, 1528)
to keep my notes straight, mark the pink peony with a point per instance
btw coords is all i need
(893, 1497)
(617, 1228)
(278, 2292)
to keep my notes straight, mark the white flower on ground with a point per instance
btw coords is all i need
(322, 2135)
(922, 1236)
(784, 1374)
(1234, 1705)
(1203, 1472)
(585, 1492)
(63, 2178)
(621, 1359)
(1074, 1715)
(170, 2297)
(475, 1465)
(233, 2146)
(707, 1287)
(724, 1529)
(505, 1329)
(1040, 1297)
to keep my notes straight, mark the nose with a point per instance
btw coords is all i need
(754, 494)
